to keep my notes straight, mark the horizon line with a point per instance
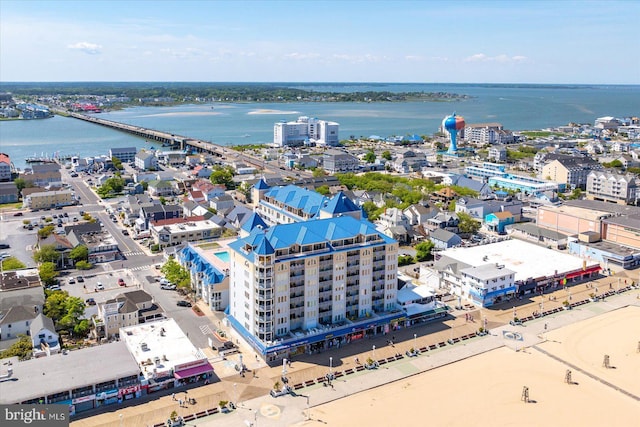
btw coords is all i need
(317, 82)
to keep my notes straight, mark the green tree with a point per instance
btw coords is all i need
(145, 185)
(324, 190)
(12, 263)
(405, 260)
(82, 328)
(117, 163)
(223, 175)
(318, 173)
(575, 194)
(48, 273)
(79, 253)
(386, 155)
(175, 273)
(45, 231)
(54, 305)
(21, 348)
(46, 253)
(83, 265)
(370, 157)
(423, 250)
(21, 184)
(467, 224)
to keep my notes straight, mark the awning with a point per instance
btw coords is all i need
(589, 270)
(198, 370)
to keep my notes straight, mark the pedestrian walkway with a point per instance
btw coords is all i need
(140, 268)
(443, 343)
(133, 253)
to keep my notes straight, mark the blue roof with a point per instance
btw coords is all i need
(254, 221)
(300, 198)
(261, 185)
(306, 233)
(340, 204)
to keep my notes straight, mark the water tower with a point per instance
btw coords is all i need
(453, 124)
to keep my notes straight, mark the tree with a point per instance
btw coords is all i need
(54, 304)
(386, 155)
(48, 273)
(83, 265)
(324, 190)
(117, 163)
(21, 348)
(423, 250)
(177, 274)
(145, 185)
(79, 253)
(467, 224)
(46, 253)
(223, 175)
(21, 184)
(405, 260)
(45, 231)
(12, 263)
(318, 173)
(370, 157)
(82, 328)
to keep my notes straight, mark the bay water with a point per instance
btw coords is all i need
(517, 107)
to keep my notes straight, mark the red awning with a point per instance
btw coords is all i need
(589, 270)
(198, 370)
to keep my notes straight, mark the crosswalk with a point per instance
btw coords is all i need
(206, 330)
(140, 268)
(133, 253)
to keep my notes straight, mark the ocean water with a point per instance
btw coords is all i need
(517, 107)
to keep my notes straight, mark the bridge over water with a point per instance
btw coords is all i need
(167, 139)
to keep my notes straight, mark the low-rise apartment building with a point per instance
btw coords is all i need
(612, 187)
(48, 199)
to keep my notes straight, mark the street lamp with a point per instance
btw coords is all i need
(330, 365)
(120, 416)
(235, 392)
(415, 336)
(373, 353)
(308, 410)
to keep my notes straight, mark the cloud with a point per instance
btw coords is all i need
(502, 58)
(86, 47)
(296, 55)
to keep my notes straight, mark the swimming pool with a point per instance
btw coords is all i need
(223, 256)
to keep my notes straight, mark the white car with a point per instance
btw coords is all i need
(99, 286)
(164, 281)
(169, 287)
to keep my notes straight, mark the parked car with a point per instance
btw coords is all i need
(99, 286)
(121, 282)
(4, 246)
(18, 214)
(125, 232)
(91, 301)
(169, 287)
(164, 281)
(72, 281)
(54, 288)
(80, 279)
(183, 303)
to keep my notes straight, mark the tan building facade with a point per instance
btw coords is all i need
(48, 199)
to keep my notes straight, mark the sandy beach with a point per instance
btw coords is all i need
(268, 111)
(487, 389)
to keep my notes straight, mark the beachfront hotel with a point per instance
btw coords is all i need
(307, 286)
(305, 130)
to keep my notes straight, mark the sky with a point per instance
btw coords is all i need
(555, 42)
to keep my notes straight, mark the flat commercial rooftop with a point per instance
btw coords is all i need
(163, 341)
(526, 259)
(53, 374)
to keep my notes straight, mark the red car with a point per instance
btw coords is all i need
(121, 282)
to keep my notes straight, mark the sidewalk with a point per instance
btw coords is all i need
(252, 392)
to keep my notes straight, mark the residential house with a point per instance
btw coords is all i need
(44, 339)
(443, 220)
(208, 189)
(146, 160)
(201, 172)
(497, 153)
(43, 175)
(443, 197)
(8, 192)
(160, 188)
(190, 208)
(5, 167)
(335, 161)
(156, 212)
(479, 209)
(101, 245)
(222, 203)
(418, 214)
(167, 233)
(497, 221)
(410, 161)
(126, 309)
(443, 239)
(483, 189)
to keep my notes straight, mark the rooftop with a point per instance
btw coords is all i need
(161, 342)
(522, 257)
(48, 375)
